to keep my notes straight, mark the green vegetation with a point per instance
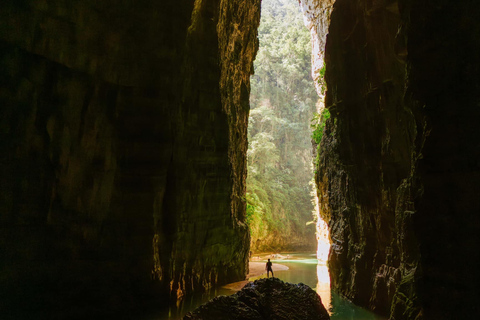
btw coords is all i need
(321, 78)
(283, 98)
(318, 125)
(322, 71)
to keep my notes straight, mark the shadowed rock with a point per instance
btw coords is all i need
(123, 141)
(396, 176)
(265, 299)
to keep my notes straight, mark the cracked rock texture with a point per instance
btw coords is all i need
(122, 151)
(316, 16)
(264, 299)
(399, 172)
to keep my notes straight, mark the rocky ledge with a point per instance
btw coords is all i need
(264, 299)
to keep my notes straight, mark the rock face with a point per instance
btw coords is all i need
(399, 164)
(316, 15)
(122, 151)
(264, 299)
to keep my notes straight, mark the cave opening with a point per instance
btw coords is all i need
(286, 121)
(280, 189)
(123, 152)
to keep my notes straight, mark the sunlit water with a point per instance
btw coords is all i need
(303, 268)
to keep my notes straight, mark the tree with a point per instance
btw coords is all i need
(283, 98)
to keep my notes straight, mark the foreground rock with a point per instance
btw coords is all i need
(265, 299)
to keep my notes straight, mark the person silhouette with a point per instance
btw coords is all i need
(268, 267)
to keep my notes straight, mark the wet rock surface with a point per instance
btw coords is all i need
(265, 299)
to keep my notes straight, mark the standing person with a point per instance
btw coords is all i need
(268, 267)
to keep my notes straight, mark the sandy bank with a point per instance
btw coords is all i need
(258, 268)
(255, 269)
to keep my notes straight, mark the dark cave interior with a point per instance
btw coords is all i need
(123, 153)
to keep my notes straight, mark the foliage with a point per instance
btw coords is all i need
(322, 71)
(321, 78)
(318, 125)
(279, 200)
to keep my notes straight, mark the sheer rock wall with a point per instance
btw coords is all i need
(398, 177)
(123, 142)
(316, 16)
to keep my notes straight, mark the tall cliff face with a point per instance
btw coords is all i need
(368, 155)
(316, 15)
(123, 142)
(398, 175)
(444, 60)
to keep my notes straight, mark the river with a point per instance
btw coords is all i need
(303, 267)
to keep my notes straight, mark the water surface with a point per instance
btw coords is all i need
(304, 268)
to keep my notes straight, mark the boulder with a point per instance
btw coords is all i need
(264, 299)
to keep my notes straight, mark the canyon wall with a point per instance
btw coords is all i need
(123, 151)
(316, 16)
(398, 177)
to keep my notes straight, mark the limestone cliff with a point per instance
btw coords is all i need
(316, 15)
(122, 151)
(398, 175)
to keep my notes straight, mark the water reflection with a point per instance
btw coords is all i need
(304, 268)
(338, 307)
(323, 286)
(323, 249)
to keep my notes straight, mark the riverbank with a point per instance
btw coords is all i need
(256, 269)
(289, 267)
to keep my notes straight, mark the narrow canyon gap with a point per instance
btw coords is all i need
(123, 153)
(280, 189)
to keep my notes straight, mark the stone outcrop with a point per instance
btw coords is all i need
(264, 299)
(316, 15)
(122, 151)
(398, 174)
